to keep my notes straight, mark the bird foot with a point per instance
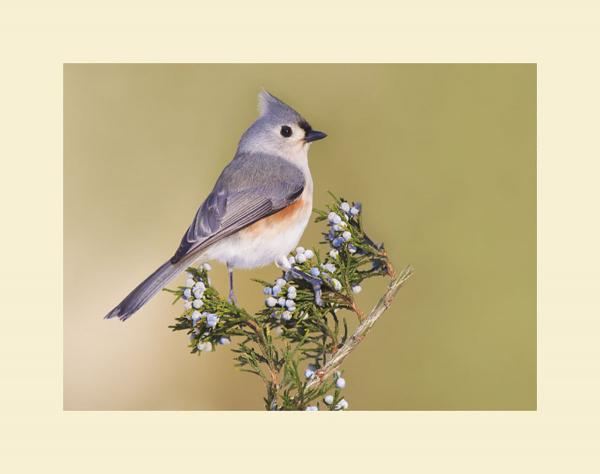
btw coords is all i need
(311, 280)
(232, 299)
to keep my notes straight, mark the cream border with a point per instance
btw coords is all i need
(562, 435)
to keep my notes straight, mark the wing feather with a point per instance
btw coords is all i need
(251, 187)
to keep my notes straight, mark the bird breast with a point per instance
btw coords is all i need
(261, 243)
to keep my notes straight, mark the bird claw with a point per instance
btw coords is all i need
(311, 280)
(232, 299)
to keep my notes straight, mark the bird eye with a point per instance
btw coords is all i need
(286, 131)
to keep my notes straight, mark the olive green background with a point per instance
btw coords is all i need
(443, 158)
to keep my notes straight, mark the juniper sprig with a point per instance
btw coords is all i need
(293, 343)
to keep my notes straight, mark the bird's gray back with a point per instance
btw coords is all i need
(251, 170)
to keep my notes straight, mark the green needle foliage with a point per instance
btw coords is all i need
(303, 322)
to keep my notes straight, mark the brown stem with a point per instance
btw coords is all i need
(361, 331)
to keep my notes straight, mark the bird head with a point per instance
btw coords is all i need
(279, 130)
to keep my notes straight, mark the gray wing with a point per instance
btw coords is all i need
(251, 187)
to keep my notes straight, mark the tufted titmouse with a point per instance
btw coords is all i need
(258, 209)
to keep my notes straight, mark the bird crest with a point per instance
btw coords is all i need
(269, 105)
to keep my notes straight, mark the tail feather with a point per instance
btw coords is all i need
(147, 289)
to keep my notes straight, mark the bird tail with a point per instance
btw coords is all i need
(147, 289)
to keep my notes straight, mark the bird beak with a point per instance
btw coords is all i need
(314, 135)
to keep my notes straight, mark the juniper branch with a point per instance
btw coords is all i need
(302, 320)
(361, 331)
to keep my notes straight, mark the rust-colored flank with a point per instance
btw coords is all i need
(282, 218)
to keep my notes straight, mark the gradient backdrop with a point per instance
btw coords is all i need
(443, 158)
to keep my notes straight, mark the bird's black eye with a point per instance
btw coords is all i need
(286, 131)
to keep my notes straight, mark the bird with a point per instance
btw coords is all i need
(258, 209)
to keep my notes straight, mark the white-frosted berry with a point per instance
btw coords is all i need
(333, 253)
(328, 399)
(205, 346)
(196, 315)
(314, 271)
(187, 293)
(270, 301)
(308, 253)
(341, 405)
(190, 282)
(311, 408)
(224, 341)
(300, 250)
(346, 236)
(286, 315)
(340, 383)
(336, 284)
(283, 263)
(280, 282)
(198, 294)
(337, 242)
(308, 373)
(212, 320)
(300, 258)
(275, 290)
(198, 304)
(330, 267)
(345, 207)
(356, 289)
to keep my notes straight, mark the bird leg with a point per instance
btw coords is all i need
(232, 299)
(311, 280)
